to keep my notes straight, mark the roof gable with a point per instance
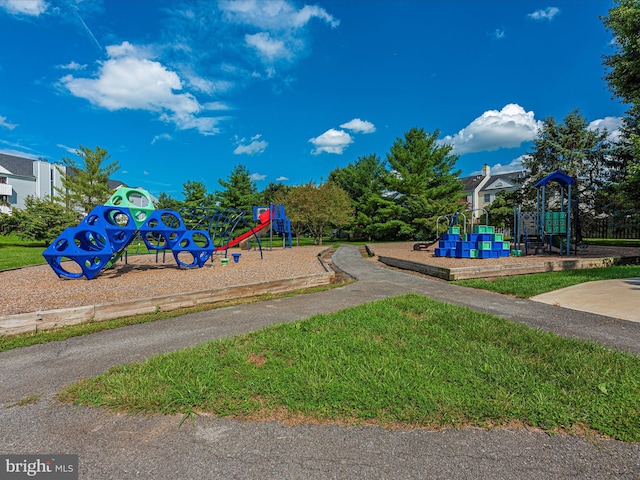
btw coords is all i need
(499, 184)
(16, 165)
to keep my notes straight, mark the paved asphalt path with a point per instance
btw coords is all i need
(126, 447)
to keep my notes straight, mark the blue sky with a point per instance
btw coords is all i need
(178, 91)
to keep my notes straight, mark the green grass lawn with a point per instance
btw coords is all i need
(402, 362)
(525, 286)
(613, 242)
(16, 252)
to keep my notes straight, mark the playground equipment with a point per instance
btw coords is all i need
(279, 223)
(538, 230)
(107, 230)
(482, 243)
(103, 236)
(456, 242)
(451, 220)
(222, 223)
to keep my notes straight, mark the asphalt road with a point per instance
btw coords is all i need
(125, 446)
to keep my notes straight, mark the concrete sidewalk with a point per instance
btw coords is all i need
(618, 298)
(124, 446)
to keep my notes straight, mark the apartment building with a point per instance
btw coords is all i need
(481, 190)
(21, 177)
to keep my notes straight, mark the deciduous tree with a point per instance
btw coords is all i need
(314, 209)
(40, 219)
(624, 81)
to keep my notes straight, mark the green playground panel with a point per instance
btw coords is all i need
(483, 229)
(484, 245)
(137, 200)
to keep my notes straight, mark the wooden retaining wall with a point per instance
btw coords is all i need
(38, 321)
(504, 270)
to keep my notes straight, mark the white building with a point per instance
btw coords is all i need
(21, 177)
(481, 190)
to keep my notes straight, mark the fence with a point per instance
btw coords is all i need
(611, 227)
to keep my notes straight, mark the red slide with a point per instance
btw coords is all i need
(264, 220)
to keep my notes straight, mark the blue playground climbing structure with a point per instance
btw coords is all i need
(103, 236)
(482, 243)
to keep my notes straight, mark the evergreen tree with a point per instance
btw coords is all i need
(86, 182)
(166, 202)
(364, 183)
(621, 192)
(196, 196)
(501, 209)
(574, 149)
(273, 191)
(423, 184)
(239, 191)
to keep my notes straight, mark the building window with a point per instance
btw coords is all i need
(3, 180)
(487, 198)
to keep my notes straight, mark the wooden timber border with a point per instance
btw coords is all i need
(49, 319)
(504, 270)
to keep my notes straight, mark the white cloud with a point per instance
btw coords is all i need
(68, 149)
(210, 87)
(273, 15)
(24, 7)
(359, 126)
(126, 49)
(268, 48)
(514, 166)
(544, 14)
(611, 124)
(220, 47)
(162, 136)
(257, 177)
(498, 33)
(507, 128)
(282, 179)
(72, 66)
(4, 123)
(255, 147)
(331, 141)
(308, 12)
(128, 80)
(216, 106)
(275, 29)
